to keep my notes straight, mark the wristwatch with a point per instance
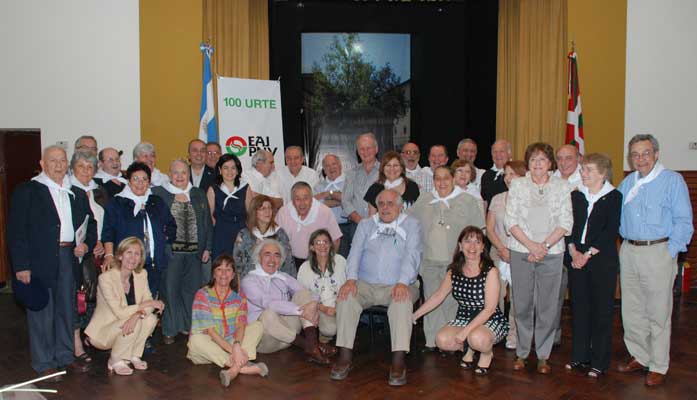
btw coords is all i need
(589, 253)
(547, 245)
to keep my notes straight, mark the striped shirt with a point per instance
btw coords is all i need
(210, 312)
(357, 183)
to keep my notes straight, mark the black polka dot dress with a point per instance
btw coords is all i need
(469, 293)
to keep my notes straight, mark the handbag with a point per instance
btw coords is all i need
(91, 268)
(81, 301)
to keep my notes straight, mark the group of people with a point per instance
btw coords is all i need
(255, 261)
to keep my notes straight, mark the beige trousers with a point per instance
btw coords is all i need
(280, 330)
(327, 325)
(125, 347)
(203, 350)
(399, 314)
(647, 274)
(445, 312)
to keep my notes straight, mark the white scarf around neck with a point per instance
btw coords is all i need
(106, 177)
(592, 199)
(139, 201)
(230, 194)
(394, 226)
(334, 184)
(48, 182)
(393, 184)
(269, 232)
(639, 182)
(260, 272)
(87, 188)
(436, 197)
(309, 219)
(168, 186)
(499, 171)
(157, 178)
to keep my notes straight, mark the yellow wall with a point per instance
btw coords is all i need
(599, 29)
(170, 75)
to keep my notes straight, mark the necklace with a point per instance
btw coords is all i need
(541, 188)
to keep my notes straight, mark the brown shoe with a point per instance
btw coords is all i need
(654, 379)
(168, 339)
(519, 364)
(327, 349)
(631, 366)
(55, 379)
(316, 356)
(543, 367)
(79, 365)
(398, 376)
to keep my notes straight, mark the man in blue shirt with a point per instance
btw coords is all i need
(382, 269)
(656, 225)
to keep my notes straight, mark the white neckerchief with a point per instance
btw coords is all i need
(436, 197)
(393, 184)
(105, 177)
(258, 271)
(499, 171)
(592, 199)
(139, 203)
(269, 232)
(46, 181)
(157, 178)
(334, 183)
(394, 226)
(87, 188)
(639, 182)
(574, 179)
(230, 194)
(311, 215)
(168, 186)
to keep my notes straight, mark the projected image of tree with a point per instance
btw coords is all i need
(347, 93)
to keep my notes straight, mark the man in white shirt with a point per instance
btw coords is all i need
(569, 164)
(262, 179)
(294, 171)
(201, 175)
(411, 155)
(467, 151)
(145, 152)
(437, 156)
(492, 180)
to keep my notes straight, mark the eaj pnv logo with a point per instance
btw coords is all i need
(236, 145)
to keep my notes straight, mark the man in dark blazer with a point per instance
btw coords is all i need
(201, 175)
(492, 179)
(109, 175)
(45, 216)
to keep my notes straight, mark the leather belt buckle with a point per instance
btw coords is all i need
(647, 242)
(65, 244)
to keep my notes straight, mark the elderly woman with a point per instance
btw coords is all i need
(594, 263)
(135, 211)
(474, 283)
(496, 232)
(392, 176)
(144, 152)
(261, 224)
(465, 175)
(443, 213)
(227, 199)
(538, 215)
(323, 274)
(192, 246)
(123, 319)
(219, 330)
(83, 166)
(283, 306)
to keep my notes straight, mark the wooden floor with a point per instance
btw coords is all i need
(431, 376)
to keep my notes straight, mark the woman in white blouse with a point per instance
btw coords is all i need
(465, 177)
(538, 215)
(323, 274)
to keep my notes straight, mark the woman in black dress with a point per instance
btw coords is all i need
(474, 282)
(594, 263)
(392, 176)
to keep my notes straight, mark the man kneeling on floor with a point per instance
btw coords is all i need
(382, 269)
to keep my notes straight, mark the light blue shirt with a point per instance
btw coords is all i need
(385, 260)
(338, 211)
(660, 209)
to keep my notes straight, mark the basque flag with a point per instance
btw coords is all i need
(574, 116)
(208, 128)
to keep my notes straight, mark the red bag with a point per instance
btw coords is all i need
(81, 301)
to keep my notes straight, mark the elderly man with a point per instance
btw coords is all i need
(213, 153)
(437, 156)
(304, 215)
(86, 143)
(382, 269)
(200, 175)
(294, 171)
(262, 178)
(568, 164)
(492, 180)
(329, 191)
(359, 179)
(50, 226)
(109, 174)
(467, 151)
(145, 152)
(411, 155)
(656, 225)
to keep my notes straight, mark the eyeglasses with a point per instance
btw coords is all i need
(212, 153)
(321, 242)
(410, 152)
(645, 155)
(85, 147)
(138, 179)
(382, 204)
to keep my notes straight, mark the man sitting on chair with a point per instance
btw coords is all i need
(382, 270)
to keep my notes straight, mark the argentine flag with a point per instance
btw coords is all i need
(208, 128)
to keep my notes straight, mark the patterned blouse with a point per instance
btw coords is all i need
(244, 247)
(210, 312)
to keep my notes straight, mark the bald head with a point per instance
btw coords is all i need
(54, 163)
(567, 160)
(501, 152)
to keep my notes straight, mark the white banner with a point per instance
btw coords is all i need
(249, 113)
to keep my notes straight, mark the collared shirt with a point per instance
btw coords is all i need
(273, 293)
(196, 178)
(287, 180)
(573, 179)
(427, 177)
(660, 209)
(417, 175)
(357, 183)
(478, 179)
(223, 315)
(61, 200)
(260, 184)
(299, 234)
(387, 259)
(338, 211)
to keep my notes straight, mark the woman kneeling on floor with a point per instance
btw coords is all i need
(474, 283)
(219, 330)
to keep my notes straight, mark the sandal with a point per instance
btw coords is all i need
(139, 364)
(576, 366)
(119, 368)
(481, 370)
(595, 373)
(467, 364)
(84, 357)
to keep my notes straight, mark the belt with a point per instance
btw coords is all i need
(647, 242)
(65, 244)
